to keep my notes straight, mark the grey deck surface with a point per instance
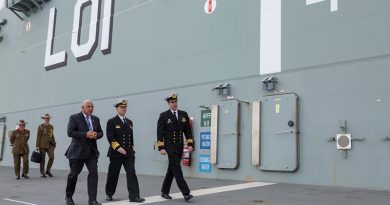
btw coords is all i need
(51, 191)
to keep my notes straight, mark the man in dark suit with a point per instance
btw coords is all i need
(121, 152)
(85, 130)
(171, 126)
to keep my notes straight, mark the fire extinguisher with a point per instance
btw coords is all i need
(186, 157)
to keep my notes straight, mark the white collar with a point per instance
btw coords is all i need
(122, 117)
(85, 116)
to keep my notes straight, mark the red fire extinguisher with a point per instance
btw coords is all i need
(186, 157)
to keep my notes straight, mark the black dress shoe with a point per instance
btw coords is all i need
(94, 203)
(18, 177)
(109, 198)
(49, 174)
(166, 196)
(187, 197)
(25, 176)
(69, 201)
(43, 176)
(138, 199)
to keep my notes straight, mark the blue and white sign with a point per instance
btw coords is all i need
(204, 163)
(205, 140)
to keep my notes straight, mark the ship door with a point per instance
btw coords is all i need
(225, 134)
(2, 136)
(275, 133)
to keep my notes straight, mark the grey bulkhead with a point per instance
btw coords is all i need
(336, 61)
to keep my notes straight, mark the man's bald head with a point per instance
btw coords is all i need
(87, 107)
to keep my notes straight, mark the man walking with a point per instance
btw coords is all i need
(171, 126)
(84, 129)
(46, 143)
(19, 141)
(121, 152)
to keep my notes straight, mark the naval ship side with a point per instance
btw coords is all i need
(292, 91)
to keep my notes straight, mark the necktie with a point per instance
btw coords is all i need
(89, 124)
(174, 113)
(124, 121)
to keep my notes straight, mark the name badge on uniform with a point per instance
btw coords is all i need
(169, 121)
(117, 126)
(183, 120)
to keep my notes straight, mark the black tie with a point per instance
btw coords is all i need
(174, 113)
(124, 121)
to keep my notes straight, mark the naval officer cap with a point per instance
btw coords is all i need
(120, 102)
(172, 96)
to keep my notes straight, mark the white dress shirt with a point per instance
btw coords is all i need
(175, 113)
(123, 119)
(89, 120)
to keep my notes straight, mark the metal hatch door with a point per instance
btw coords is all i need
(279, 144)
(2, 136)
(225, 134)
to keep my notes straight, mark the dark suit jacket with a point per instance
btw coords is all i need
(81, 147)
(120, 135)
(170, 131)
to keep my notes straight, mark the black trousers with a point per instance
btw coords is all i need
(113, 175)
(174, 170)
(76, 166)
